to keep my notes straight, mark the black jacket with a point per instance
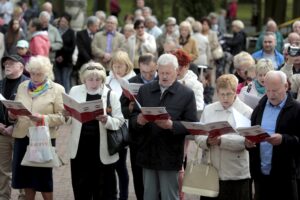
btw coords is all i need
(237, 43)
(284, 155)
(3, 112)
(161, 149)
(83, 42)
(69, 42)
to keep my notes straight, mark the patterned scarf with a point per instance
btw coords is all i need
(36, 90)
(259, 88)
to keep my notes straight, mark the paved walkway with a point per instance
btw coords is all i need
(62, 177)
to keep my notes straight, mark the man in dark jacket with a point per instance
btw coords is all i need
(13, 70)
(273, 162)
(148, 73)
(161, 144)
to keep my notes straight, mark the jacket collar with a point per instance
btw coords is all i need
(172, 89)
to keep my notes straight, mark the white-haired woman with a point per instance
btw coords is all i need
(92, 167)
(257, 86)
(43, 98)
(228, 152)
(187, 43)
(238, 42)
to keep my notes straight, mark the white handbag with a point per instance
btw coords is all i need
(201, 179)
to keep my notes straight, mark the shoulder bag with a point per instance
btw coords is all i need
(116, 139)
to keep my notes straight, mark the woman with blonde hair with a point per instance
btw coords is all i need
(43, 98)
(187, 43)
(92, 167)
(121, 67)
(228, 152)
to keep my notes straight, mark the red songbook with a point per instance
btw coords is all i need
(213, 129)
(15, 107)
(85, 111)
(130, 90)
(254, 133)
(155, 113)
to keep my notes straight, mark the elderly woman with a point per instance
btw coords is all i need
(238, 42)
(228, 153)
(243, 62)
(187, 43)
(121, 67)
(202, 45)
(92, 167)
(43, 98)
(257, 87)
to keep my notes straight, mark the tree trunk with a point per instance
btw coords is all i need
(58, 6)
(175, 9)
(99, 5)
(275, 9)
(296, 8)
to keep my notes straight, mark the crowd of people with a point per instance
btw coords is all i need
(186, 67)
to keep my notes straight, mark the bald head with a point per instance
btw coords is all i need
(271, 26)
(47, 6)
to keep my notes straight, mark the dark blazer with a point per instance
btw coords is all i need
(69, 42)
(283, 159)
(3, 112)
(237, 43)
(161, 149)
(83, 42)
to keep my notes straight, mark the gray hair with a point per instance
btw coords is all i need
(269, 33)
(91, 20)
(170, 20)
(166, 59)
(297, 22)
(42, 64)
(147, 9)
(272, 74)
(152, 19)
(100, 14)
(239, 24)
(112, 18)
(45, 14)
(197, 27)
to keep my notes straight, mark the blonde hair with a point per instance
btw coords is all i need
(243, 58)
(186, 24)
(122, 57)
(227, 81)
(238, 23)
(41, 64)
(92, 69)
(264, 65)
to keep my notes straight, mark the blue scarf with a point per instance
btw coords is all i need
(259, 88)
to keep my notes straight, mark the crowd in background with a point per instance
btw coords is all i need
(192, 67)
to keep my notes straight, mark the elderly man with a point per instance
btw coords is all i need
(161, 142)
(102, 18)
(108, 41)
(296, 27)
(47, 6)
(152, 28)
(271, 26)
(269, 51)
(54, 36)
(13, 70)
(273, 162)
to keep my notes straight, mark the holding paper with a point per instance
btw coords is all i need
(15, 107)
(85, 111)
(155, 113)
(255, 133)
(130, 90)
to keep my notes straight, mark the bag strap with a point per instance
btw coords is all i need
(108, 105)
(196, 158)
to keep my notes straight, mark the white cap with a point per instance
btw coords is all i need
(23, 44)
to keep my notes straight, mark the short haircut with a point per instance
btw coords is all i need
(264, 65)
(137, 23)
(170, 20)
(36, 23)
(112, 18)
(92, 69)
(205, 19)
(243, 58)
(41, 64)
(147, 58)
(197, 27)
(67, 16)
(227, 81)
(280, 74)
(238, 23)
(296, 23)
(186, 24)
(166, 59)
(91, 20)
(46, 15)
(269, 33)
(122, 57)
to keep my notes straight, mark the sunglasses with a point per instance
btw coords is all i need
(93, 68)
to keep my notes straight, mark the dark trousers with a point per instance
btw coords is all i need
(233, 190)
(274, 188)
(123, 176)
(137, 173)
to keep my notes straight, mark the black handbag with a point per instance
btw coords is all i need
(116, 139)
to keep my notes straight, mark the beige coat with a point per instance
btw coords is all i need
(293, 78)
(49, 104)
(79, 93)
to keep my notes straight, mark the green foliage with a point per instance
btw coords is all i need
(197, 8)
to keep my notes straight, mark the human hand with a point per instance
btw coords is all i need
(66, 113)
(275, 139)
(141, 120)
(292, 59)
(59, 59)
(8, 131)
(249, 144)
(102, 118)
(214, 141)
(164, 124)
(37, 118)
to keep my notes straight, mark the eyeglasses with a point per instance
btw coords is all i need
(227, 95)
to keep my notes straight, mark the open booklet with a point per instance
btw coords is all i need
(250, 99)
(254, 133)
(130, 90)
(15, 107)
(85, 111)
(213, 129)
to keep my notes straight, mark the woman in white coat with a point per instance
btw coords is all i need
(227, 152)
(92, 167)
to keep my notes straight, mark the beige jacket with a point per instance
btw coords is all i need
(49, 104)
(293, 78)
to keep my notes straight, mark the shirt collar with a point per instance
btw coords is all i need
(148, 81)
(278, 106)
